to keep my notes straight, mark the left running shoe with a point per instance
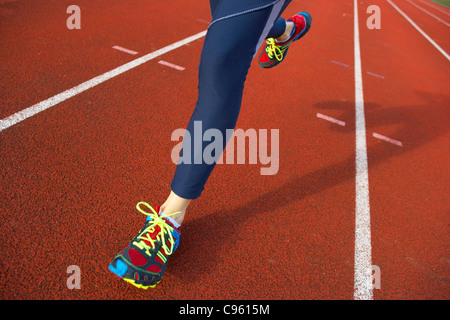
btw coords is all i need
(144, 261)
(275, 52)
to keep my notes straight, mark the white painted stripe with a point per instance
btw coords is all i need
(375, 75)
(125, 50)
(41, 106)
(438, 7)
(440, 4)
(384, 138)
(204, 21)
(339, 122)
(429, 13)
(340, 63)
(363, 248)
(420, 30)
(171, 65)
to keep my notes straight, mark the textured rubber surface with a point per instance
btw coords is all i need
(71, 175)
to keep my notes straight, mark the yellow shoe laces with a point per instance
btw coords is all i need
(272, 49)
(156, 221)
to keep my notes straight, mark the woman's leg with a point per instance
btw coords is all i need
(228, 50)
(213, 4)
(278, 29)
(175, 203)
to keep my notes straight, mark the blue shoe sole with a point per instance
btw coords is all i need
(119, 269)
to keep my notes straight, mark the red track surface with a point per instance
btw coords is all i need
(71, 175)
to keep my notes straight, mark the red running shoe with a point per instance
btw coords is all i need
(144, 261)
(275, 52)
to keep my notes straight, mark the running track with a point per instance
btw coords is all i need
(72, 174)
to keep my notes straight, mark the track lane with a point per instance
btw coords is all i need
(75, 177)
(435, 11)
(438, 31)
(407, 184)
(84, 171)
(42, 57)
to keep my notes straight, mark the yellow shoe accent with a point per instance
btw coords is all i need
(141, 286)
(272, 49)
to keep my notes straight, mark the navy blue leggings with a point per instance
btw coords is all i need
(278, 27)
(237, 30)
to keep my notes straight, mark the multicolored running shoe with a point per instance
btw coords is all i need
(275, 52)
(144, 261)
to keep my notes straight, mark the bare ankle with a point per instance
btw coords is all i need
(287, 33)
(179, 217)
(174, 204)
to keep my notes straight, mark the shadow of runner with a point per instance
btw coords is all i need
(203, 238)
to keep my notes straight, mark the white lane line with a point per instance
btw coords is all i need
(429, 13)
(363, 288)
(340, 63)
(436, 6)
(333, 120)
(125, 50)
(384, 138)
(204, 21)
(43, 105)
(171, 65)
(375, 75)
(445, 54)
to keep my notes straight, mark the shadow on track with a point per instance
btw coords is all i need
(206, 237)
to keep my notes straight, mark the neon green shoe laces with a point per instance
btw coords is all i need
(272, 49)
(146, 241)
